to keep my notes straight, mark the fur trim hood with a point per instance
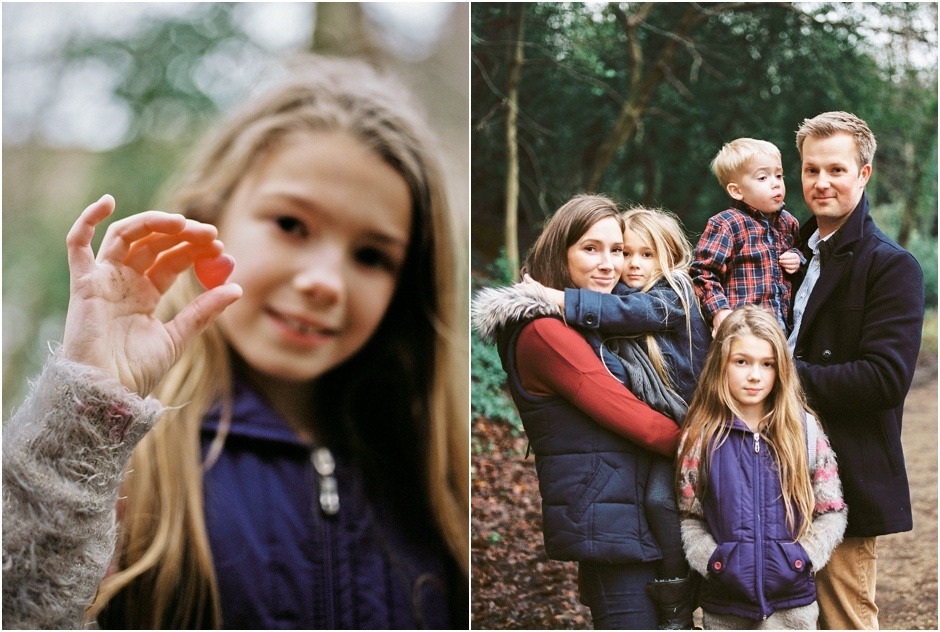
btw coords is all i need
(495, 308)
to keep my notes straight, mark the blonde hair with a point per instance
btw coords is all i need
(707, 422)
(734, 156)
(547, 260)
(417, 359)
(829, 123)
(664, 234)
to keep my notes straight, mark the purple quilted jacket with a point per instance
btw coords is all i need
(757, 568)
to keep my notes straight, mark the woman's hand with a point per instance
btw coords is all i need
(110, 323)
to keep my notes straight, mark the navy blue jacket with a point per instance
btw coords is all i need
(855, 353)
(757, 568)
(591, 480)
(658, 311)
(281, 563)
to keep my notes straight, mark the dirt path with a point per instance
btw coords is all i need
(907, 562)
(516, 587)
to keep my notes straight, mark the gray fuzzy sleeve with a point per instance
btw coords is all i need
(64, 455)
(698, 543)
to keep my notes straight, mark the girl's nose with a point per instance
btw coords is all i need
(321, 277)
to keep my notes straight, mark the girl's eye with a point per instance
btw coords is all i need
(376, 258)
(647, 255)
(291, 225)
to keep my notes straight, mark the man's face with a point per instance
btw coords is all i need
(832, 181)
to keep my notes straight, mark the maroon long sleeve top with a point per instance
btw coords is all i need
(555, 360)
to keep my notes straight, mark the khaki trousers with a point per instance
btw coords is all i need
(846, 587)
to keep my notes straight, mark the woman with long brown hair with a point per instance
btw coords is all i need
(592, 439)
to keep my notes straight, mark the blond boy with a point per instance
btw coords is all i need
(748, 252)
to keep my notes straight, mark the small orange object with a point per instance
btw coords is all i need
(214, 272)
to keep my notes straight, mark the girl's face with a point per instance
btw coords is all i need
(639, 260)
(319, 230)
(751, 373)
(595, 261)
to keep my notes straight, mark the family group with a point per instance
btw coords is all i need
(720, 426)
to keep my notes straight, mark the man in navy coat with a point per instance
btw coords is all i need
(857, 321)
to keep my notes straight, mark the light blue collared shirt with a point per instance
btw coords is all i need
(806, 289)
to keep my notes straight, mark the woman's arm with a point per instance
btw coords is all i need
(554, 359)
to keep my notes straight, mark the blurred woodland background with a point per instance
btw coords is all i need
(109, 97)
(633, 100)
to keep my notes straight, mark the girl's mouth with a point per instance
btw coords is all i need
(300, 330)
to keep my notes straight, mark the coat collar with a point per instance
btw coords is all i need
(747, 209)
(847, 234)
(252, 418)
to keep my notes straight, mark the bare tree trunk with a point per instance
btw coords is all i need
(909, 223)
(340, 29)
(512, 145)
(642, 86)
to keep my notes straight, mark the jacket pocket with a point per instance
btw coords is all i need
(595, 480)
(787, 569)
(732, 574)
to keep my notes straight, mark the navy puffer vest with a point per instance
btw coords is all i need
(757, 568)
(591, 480)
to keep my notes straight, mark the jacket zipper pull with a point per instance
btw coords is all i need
(325, 466)
(756, 442)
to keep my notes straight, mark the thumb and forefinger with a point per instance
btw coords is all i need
(205, 308)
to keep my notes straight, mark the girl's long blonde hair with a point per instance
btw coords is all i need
(412, 374)
(707, 423)
(663, 232)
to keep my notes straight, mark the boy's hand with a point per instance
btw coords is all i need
(110, 323)
(790, 262)
(555, 296)
(718, 318)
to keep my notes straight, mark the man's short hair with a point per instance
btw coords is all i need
(735, 155)
(828, 123)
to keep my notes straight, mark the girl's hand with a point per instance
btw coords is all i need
(110, 323)
(555, 296)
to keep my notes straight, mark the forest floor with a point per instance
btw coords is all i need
(515, 586)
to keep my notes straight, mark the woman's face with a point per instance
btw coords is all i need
(595, 260)
(319, 230)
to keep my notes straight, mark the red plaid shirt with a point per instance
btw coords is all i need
(737, 261)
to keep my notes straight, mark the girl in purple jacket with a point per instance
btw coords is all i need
(302, 462)
(758, 485)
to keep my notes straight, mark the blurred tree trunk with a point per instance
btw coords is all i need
(517, 59)
(340, 28)
(908, 223)
(642, 83)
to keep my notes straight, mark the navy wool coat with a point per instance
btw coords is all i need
(855, 353)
